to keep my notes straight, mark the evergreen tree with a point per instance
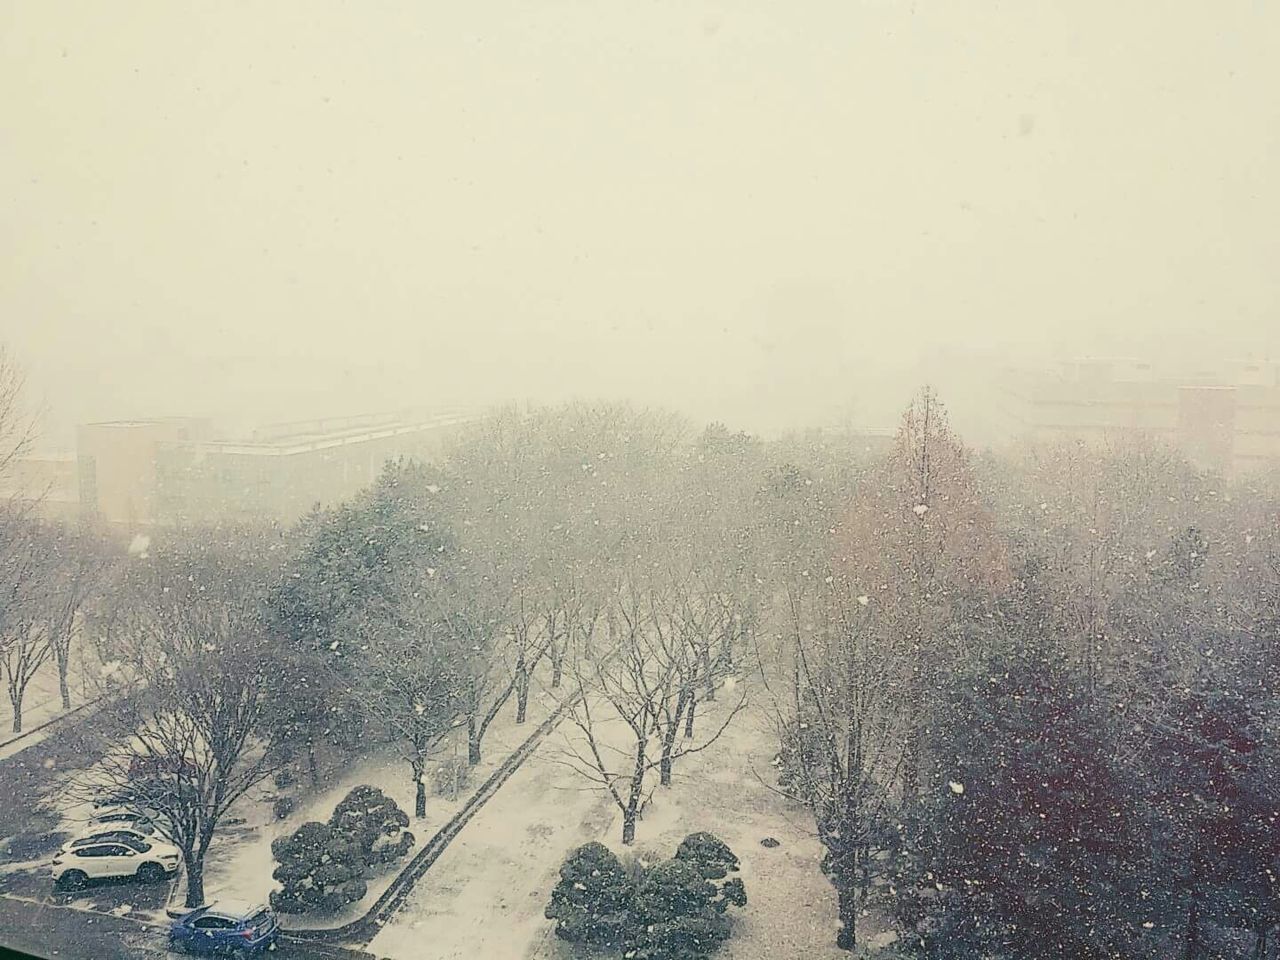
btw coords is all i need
(1027, 849)
(320, 870)
(713, 859)
(373, 822)
(591, 902)
(677, 915)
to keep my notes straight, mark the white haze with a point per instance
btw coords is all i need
(771, 214)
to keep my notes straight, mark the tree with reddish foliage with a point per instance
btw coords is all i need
(920, 540)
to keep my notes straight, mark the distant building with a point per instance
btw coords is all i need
(871, 441)
(47, 483)
(176, 471)
(1227, 417)
(116, 461)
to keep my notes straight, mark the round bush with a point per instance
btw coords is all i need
(592, 900)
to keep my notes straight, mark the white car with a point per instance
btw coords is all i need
(122, 819)
(99, 858)
(110, 834)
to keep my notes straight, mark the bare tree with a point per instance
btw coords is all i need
(469, 600)
(840, 716)
(629, 705)
(17, 426)
(919, 539)
(77, 564)
(24, 598)
(197, 675)
(410, 679)
(526, 643)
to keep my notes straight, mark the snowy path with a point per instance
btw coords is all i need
(240, 860)
(42, 701)
(484, 897)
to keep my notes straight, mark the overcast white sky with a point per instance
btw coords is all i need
(766, 212)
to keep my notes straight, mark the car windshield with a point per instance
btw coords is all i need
(640, 479)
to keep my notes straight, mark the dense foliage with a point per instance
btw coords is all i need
(591, 902)
(320, 870)
(373, 822)
(673, 910)
(1029, 698)
(323, 866)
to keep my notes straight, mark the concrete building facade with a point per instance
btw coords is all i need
(1226, 417)
(176, 471)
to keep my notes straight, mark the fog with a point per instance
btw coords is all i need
(765, 215)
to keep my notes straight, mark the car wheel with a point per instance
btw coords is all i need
(73, 880)
(150, 873)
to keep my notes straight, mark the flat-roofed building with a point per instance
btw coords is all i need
(116, 461)
(284, 470)
(47, 483)
(177, 470)
(1226, 417)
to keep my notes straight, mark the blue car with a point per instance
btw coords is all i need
(225, 928)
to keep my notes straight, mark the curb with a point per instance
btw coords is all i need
(366, 927)
(66, 715)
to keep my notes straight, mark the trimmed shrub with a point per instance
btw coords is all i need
(320, 871)
(713, 859)
(672, 910)
(372, 821)
(591, 902)
(709, 854)
(676, 915)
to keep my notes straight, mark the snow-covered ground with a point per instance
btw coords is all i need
(240, 863)
(484, 897)
(42, 702)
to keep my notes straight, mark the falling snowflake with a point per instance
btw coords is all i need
(956, 788)
(920, 509)
(863, 600)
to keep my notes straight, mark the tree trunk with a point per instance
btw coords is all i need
(633, 798)
(710, 695)
(847, 904)
(64, 690)
(629, 824)
(195, 882)
(688, 719)
(557, 666)
(420, 799)
(522, 689)
(911, 748)
(1191, 948)
(15, 698)
(664, 765)
(473, 740)
(311, 761)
